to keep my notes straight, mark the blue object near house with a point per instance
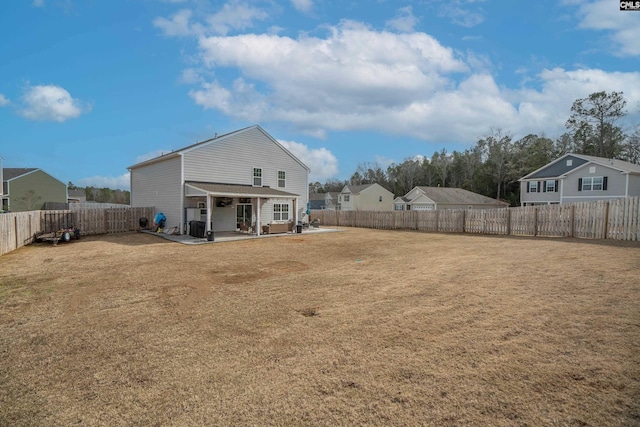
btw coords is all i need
(159, 219)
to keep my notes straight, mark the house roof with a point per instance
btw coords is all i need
(231, 190)
(317, 196)
(458, 196)
(180, 151)
(356, 189)
(10, 173)
(77, 193)
(558, 167)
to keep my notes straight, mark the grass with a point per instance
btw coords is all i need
(360, 327)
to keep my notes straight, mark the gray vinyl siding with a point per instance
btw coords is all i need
(32, 190)
(616, 183)
(541, 197)
(159, 185)
(230, 160)
(634, 185)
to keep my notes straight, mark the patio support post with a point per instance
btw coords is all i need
(209, 206)
(258, 216)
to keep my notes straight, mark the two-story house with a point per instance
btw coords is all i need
(367, 197)
(242, 177)
(579, 178)
(28, 189)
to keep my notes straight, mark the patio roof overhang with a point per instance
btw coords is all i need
(199, 189)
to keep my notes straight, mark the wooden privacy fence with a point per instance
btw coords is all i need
(617, 219)
(19, 229)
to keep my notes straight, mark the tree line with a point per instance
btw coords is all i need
(103, 195)
(494, 164)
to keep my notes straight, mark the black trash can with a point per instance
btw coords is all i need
(299, 228)
(210, 236)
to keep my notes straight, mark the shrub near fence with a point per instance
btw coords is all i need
(603, 219)
(19, 229)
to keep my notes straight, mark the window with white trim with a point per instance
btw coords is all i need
(592, 183)
(346, 197)
(280, 212)
(257, 177)
(533, 187)
(398, 207)
(550, 185)
(282, 175)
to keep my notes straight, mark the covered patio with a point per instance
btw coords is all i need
(234, 207)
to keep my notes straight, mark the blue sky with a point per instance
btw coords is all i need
(89, 87)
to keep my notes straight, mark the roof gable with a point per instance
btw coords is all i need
(422, 198)
(557, 167)
(217, 139)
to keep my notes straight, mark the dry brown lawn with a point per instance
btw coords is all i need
(360, 327)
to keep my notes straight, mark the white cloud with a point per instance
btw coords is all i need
(190, 76)
(356, 78)
(4, 101)
(462, 12)
(404, 21)
(304, 6)
(122, 182)
(178, 25)
(605, 15)
(38, 3)
(234, 15)
(50, 102)
(322, 162)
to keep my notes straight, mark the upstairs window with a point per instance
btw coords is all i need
(551, 185)
(380, 198)
(346, 197)
(257, 177)
(281, 179)
(592, 183)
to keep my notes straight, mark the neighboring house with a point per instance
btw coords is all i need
(331, 200)
(368, 197)
(317, 201)
(579, 178)
(27, 189)
(77, 196)
(241, 178)
(439, 198)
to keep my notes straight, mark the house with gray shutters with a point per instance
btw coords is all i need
(243, 179)
(580, 178)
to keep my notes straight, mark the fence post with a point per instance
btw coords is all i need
(606, 219)
(508, 220)
(572, 218)
(535, 221)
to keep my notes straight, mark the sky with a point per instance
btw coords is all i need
(90, 87)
